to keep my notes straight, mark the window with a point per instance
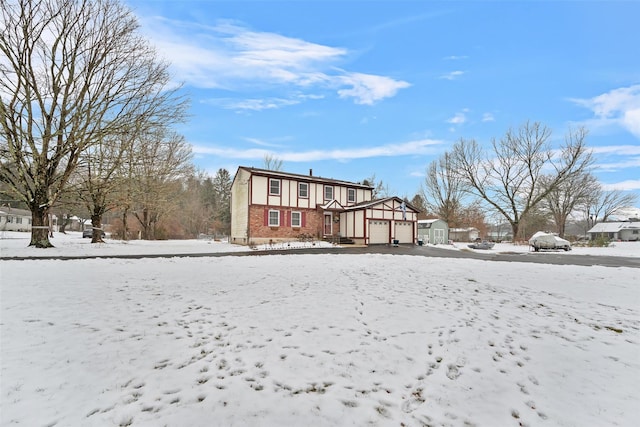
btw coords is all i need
(328, 192)
(274, 218)
(351, 195)
(303, 190)
(274, 187)
(18, 220)
(296, 219)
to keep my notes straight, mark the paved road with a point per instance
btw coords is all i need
(558, 258)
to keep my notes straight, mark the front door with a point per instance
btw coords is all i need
(328, 224)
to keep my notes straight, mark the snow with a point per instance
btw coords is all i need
(322, 340)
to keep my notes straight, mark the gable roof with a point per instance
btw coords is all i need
(8, 210)
(303, 178)
(332, 205)
(614, 227)
(367, 204)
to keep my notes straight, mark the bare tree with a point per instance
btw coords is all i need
(601, 204)
(567, 196)
(380, 190)
(97, 178)
(71, 73)
(443, 190)
(272, 163)
(196, 215)
(162, 162)
(510, 178)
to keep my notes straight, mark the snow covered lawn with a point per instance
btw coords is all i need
(317, 340)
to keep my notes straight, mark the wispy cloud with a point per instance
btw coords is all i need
(628, 185)
(262, 143)
(455, 57)
(621, 150)
(452, 75)
(618, 107)
(419, 147)
(232, 57)
(459, 118)
(368, 89)
(615, 166)
(251, 104)
(488, 117)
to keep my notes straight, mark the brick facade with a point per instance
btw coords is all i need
(313, 222)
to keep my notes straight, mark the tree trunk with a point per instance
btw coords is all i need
(96, 223)
(40, 227)
(65, 222)
(515, 228)
(125, 235)
(562, 226)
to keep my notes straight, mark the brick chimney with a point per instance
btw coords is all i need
(310, 172)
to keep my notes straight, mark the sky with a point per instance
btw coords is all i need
(361, 89)
(321, 340)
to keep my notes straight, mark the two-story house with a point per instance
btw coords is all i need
(274, 206)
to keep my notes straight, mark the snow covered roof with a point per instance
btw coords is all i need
(8, 210)
(614, 227)
(463, 230)
(428, 221)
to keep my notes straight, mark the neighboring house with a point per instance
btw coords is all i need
(468, 234)
(272, 206)
(433, 231)
(12, 219)
(623, 230)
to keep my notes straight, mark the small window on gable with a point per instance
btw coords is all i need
(351, 195)
(274, 187)
(274, 218)
(296, 219)
(328, 192)
(303, 190)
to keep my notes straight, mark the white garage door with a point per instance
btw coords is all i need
(404, 231)
(378, 231)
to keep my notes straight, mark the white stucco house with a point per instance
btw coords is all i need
(12, 219)
(622, 230)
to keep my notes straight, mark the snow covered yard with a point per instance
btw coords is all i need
(320, 340)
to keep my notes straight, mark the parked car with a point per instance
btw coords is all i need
(88, 233)
(542, 240)
(482, 244)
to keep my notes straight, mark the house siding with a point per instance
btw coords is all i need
(240, 190)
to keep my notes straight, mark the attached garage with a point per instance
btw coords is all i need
(378, 231)
(404, 231)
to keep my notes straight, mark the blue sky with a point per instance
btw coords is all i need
(353, 89)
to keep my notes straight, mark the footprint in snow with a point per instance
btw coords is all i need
(453, 372)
